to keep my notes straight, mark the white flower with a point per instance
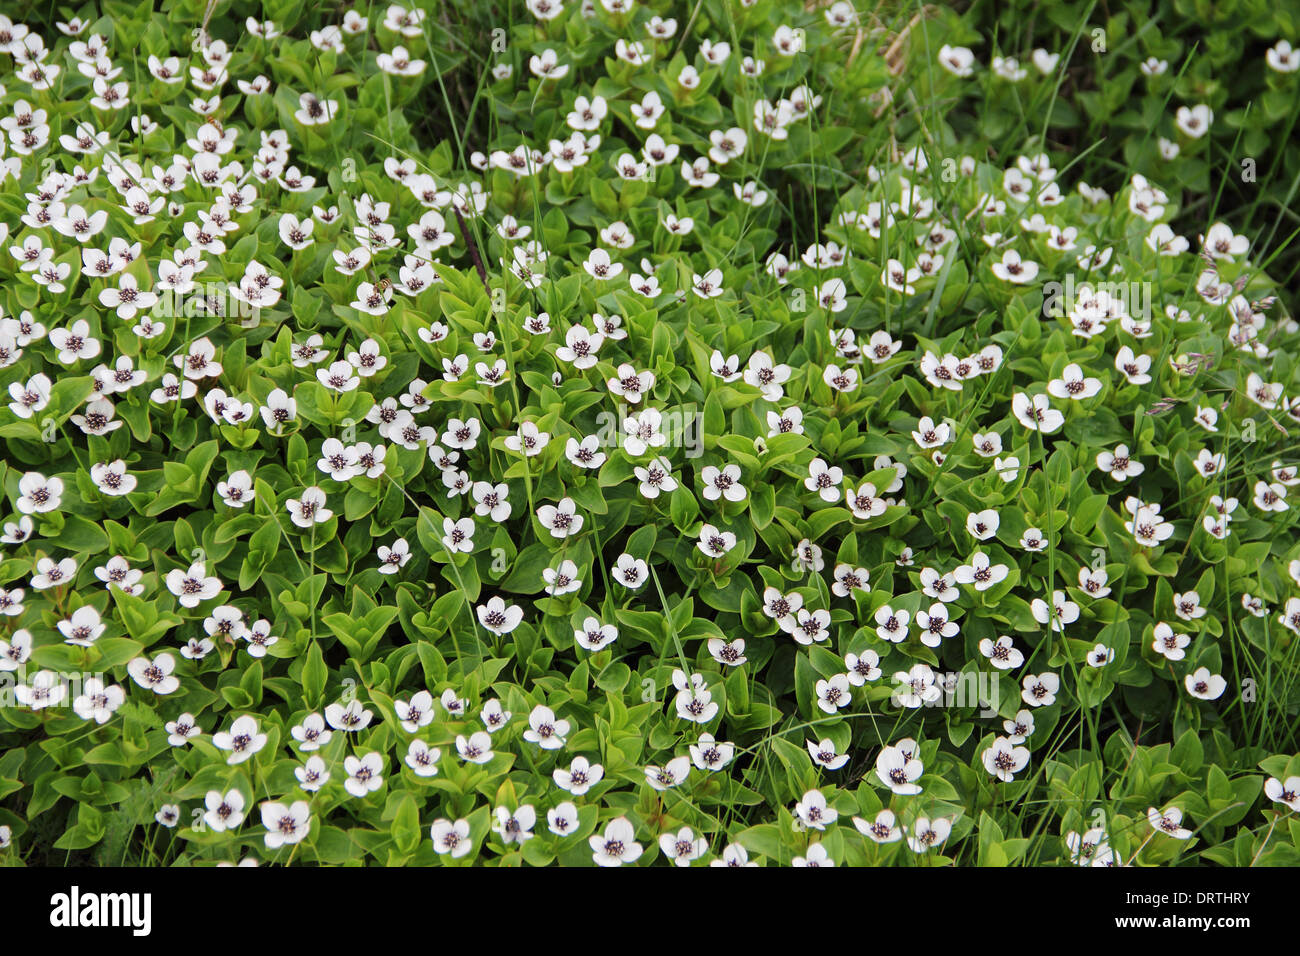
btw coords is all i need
(561, 519)
(980, 572)
(929, 435)
(864, 502)
(310, 509)
(237, 490)
(1039, 690)
(782, 608)
(339, 377)
(83, 628)
(16, 532)
(580, 347)
(367, 360)
(461, 435)
(898, 769)
(926, 833)
(1166, 642)
(1020, 727)
(128, 298)
(168, 815)
(476, 748)
(311, 734)
(38, 494)
(562, 820)
(735, 855)
(643, 432)
(833, 694)
(1254, 605)
(711, 755)
(1196, 121)
(1036, 413)
(1287, 793)
(458, 536)
(1100, 655)
(983, 525)
(693, 702)
(98, 418)
(1014, 269)
(580, 777)
(935, 625)
(199, 362)
(285, 824)
(416, 712)
(498, 617)
(817, 856)
(1148, 527)
(1062, 613)
(862, 668)
(1133, 367)
(654, 478)
(849, 579)
(353, 717)
(50, 574)
(1005, 759)
(1204, 685)
(824, 479)
(516, 827)
(599, 265)
(714, 543)
(1168, 822)
(156, 674)
(242, 740)
(365, 774)
(959, 61)
(813, 812)
(891, 625)
(883, 829)
(44, 689)
(30, 398)
(545, 730)
(766, 376)
(194, 586)
(224, 811)
(595, 636)
(1290, 616)
(1001, 653)
(1188, 606)
(631, 384)
(1090, 849)
(1073, 384)
(630, 572)
(1282, 57)
(585, 453)
(683, 847)
(112, 479)
(97, 701)
(391, 560)
(1270, 496)
(824, 755)
(1119, 463)
(811, 626)
(617, 845)
(722, 483)
(451, 838)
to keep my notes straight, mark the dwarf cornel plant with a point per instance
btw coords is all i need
(732, 433)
